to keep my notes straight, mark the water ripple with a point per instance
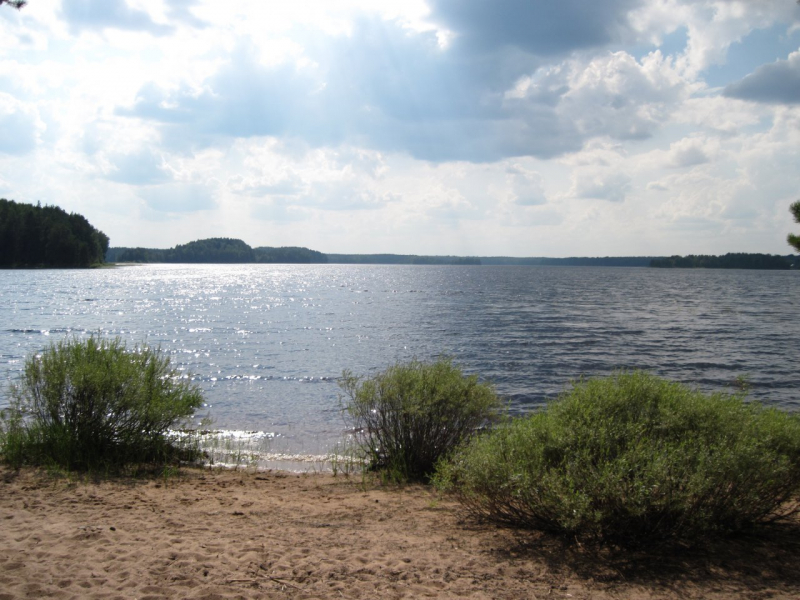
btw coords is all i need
(267, 343)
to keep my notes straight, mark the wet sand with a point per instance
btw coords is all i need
(244, 534)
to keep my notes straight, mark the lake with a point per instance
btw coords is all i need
(267, 342)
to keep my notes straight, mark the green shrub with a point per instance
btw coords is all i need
(94, 404)
(410, 415)
(633, 458)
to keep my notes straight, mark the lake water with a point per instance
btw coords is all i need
(267, 342)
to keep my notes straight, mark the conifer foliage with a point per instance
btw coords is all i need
(794, 240)
(47, 236)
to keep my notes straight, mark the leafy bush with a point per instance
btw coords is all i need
(410, 415)
(93, 403)
(633, 458)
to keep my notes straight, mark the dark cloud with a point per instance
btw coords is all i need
(109, 14)
(775, 83)
(388, 88)
(382, 88)
(539, 27)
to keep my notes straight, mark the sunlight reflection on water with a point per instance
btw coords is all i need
(268, 342)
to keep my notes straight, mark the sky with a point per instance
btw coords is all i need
(441, 127)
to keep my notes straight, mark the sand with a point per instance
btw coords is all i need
(243, 534)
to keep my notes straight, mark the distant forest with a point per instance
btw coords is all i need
(736, 260)
(227, 250)
(575, 261)
(47, 236)
(216, 250)
(401, 259)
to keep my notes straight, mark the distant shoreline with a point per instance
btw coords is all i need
(231, 251)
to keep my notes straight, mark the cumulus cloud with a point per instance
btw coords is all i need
(178, 197)
(526, 186)
(342, 195)
(483, 116)
(109, 14)
(612, 95)
(390, 89)
(618, 96)
(687, 152)
(312, 183)
(710, 27)
(777, 83)
(603, 185)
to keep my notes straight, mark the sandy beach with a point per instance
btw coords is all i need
(245, 534)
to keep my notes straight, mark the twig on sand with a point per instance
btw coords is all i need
(282, 582)
(270, 577)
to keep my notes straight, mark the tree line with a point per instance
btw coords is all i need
(732, 260)
(401, 259)
(217, 250)
(47, 236)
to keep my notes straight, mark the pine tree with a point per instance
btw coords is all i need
(794, 240)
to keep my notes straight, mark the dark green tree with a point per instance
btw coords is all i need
(794, 240)
(14, 3)
(47, 236)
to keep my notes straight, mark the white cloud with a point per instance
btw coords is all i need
(712, 26)
(139, 168)
(439, 127)
(526, 186)
(619, 96)
(687, 152)
(601, 184)
(178, 197)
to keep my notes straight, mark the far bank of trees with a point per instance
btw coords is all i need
(217, 250)
(401, 259)
(733, 260)
(47, 236)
